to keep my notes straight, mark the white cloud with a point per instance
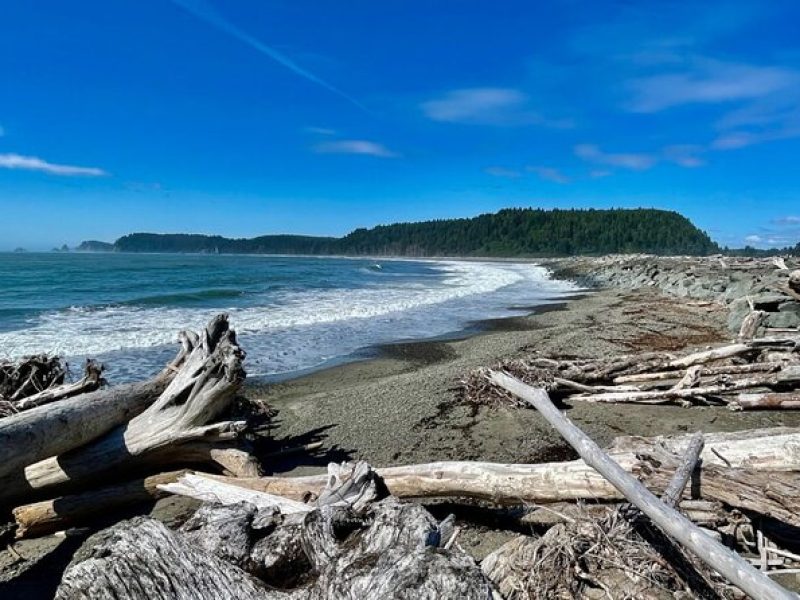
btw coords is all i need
(32, 163)
(503, 172)
(598, 173)
(708, 81)
(592, 153)
(549, 174)
(486, 106)
(789, 220)
(753, 239)
(355, 147)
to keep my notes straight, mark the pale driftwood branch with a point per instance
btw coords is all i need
(766, 401)
(715, 555)
(208, 489)
(730, 351)
(750, 325)
(684, 471)
(40, 518)
(762, 367)
(664, 396)
(690, 379)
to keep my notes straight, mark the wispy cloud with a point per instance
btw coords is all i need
(708, 81)
(32, 163)
(355, 147)
(503, 172)
(486, 106)
(320, 130)
(788, 220)
(203, 9)
(549, 174)
(599, 173)
(689, 156)
(592, 153)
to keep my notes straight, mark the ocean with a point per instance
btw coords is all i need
(292, 314)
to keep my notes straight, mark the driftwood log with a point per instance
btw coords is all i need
(35, 434)
(353, 542)
(48, 516)
(766, 401)
(730, 565)
(736, 468)
(177, 428)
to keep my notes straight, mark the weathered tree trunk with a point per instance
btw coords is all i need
(348, 544)
(35, 434)
(144, 559)
(767, 401)
(41, 518)
(738, 571)
(177, 427)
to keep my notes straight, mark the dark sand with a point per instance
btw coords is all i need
(400, 408)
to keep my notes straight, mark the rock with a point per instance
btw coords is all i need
(784, 319)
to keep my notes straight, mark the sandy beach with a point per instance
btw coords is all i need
(401, 408)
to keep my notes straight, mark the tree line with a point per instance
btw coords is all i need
(507, 233)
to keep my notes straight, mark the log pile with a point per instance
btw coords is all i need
(353, 541)
(751, 374)
(73, 449)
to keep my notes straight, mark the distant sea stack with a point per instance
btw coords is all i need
(95, 246)
(509, 233)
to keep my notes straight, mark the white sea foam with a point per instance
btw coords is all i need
(300, 329)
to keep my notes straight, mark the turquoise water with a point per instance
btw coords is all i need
(291, 313)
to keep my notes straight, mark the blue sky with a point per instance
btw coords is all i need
(248, 117)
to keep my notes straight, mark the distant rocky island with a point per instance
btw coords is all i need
(94, 246)
(507, 233)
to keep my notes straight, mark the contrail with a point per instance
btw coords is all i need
(205, 11)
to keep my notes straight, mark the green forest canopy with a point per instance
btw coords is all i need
(508, 233)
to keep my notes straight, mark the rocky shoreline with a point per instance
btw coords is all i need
(738, 284)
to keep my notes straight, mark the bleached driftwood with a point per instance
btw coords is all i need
(766, 401)
(780, 263)
(760, 367)
(177, 428)
(683, 473)
(730, 565)
(748, 461)
(353, 542)
(750, 325)
(38, 433)
(144, 559)
(41, 518)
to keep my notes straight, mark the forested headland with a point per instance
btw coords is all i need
(507, 233)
